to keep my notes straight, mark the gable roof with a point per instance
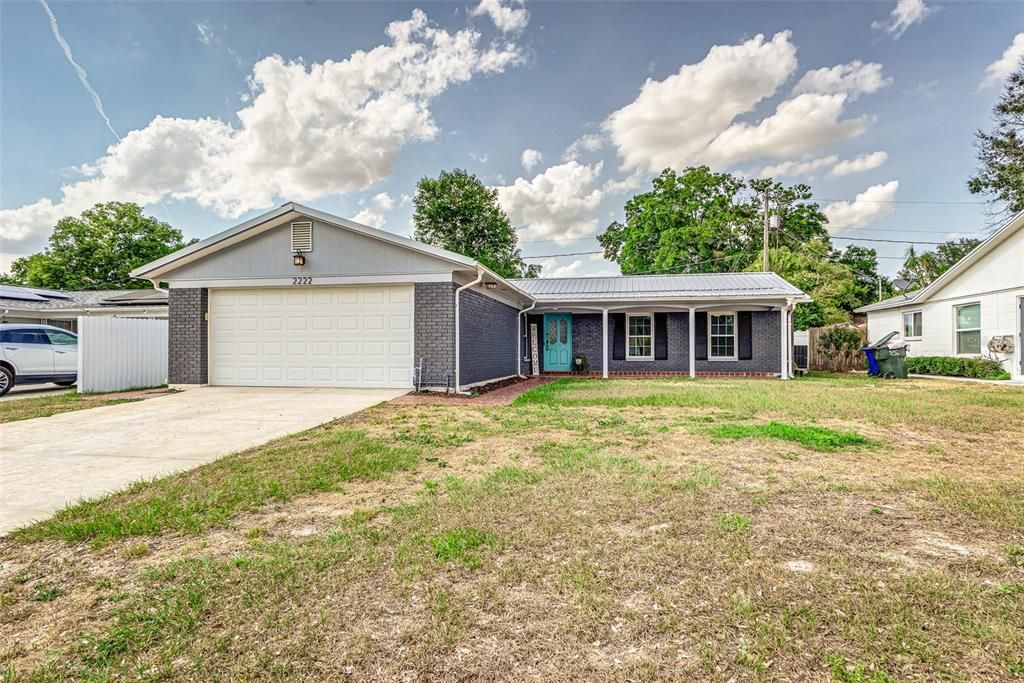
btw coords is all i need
(645, 287)
(239, 232)
(1006, 230)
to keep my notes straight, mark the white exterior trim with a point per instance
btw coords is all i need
(488, 381)
(627, 335)
(332, 281)
(735, 337)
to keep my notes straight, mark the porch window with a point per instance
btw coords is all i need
(722, 336)
(968, 329)
(639, 337)
(912, 324)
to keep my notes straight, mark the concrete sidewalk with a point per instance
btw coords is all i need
(49, 462)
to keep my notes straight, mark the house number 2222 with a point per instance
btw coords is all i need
(302, 280)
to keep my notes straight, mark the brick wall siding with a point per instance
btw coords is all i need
(487, 345)
(187, 343)
(434, 331)
(765, 346)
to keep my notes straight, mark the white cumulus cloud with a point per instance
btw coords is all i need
(585, 143)
(551, 268)
(506, 19)
(869, 205)
(864, 162)
(373, 215)
(309, 131)
(797, 168)
(691, 116)
(854, 79)
(557, 204)
(531, 158)
(905, 14)
(999, 70)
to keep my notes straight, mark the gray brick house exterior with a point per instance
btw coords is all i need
(187, 343)
(369, 308)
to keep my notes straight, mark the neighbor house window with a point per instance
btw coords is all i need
(640, 337)
(968, 329)
(722, 336)
(912, 324)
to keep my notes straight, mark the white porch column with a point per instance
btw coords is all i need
(693, 342)
(784, 338)
(604, 343)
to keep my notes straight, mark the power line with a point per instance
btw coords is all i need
(572, 253)
(875, 239)
(900, 201)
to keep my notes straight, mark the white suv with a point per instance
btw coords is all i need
(35, 354)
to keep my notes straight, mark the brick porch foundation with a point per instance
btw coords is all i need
(619, 374)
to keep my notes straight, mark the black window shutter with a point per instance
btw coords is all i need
(661, 336)
(618, 323)
(700, 332)
(745, 329)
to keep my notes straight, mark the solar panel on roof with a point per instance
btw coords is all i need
(19, 294)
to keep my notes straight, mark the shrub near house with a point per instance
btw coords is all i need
(979, 368)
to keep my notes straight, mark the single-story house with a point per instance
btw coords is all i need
(61, 309)
(298, 297)
(976, 308)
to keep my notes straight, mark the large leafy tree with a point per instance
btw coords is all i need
(694, 221)
(456, 211)
(98, 249)
(922, 269)
(698, 221)
(1001, 151)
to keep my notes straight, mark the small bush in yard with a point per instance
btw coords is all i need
(978, 368)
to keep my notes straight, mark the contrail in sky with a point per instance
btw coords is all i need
(82, 76)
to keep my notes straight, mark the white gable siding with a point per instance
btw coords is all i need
(996, 281)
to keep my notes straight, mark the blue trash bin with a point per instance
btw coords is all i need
(872, 361)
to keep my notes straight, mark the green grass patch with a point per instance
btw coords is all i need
(13, 410)
(191, 502)
(814, 438)
(855, 672)
(738, 524)
(462, 545)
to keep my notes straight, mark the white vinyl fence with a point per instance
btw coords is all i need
(121, 353)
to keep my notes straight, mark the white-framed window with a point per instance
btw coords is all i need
(912, 324)
(968, 328)
(640, 337)
(722, 336)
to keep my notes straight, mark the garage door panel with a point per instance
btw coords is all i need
(337, 336)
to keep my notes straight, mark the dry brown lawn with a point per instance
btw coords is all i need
(590, 531)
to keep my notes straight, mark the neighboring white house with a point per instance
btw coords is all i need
(61, 309)
(976, 308)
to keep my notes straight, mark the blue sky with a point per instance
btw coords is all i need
(227, 109)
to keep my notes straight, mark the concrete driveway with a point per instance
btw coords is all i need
(49, 462)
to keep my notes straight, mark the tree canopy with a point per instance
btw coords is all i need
(699, 221)
(456, 211)
(922, 269)
(98, 249)
(1001, 152)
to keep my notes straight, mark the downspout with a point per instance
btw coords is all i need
(478, 280)
(519, 338)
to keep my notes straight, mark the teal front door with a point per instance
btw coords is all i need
(557, 342)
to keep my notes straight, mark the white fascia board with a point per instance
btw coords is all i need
(334, 280)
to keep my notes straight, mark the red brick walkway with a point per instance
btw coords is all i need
(498, 397)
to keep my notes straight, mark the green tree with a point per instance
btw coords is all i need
(1001, 152)
(694, 221)
(923, 269)
(98, 249)
(863, 263)
(457, 212)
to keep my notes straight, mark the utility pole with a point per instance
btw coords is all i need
(764, 242)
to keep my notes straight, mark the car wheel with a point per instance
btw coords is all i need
(6, 380)
(65, 384)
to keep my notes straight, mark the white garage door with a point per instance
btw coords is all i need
(312, 336)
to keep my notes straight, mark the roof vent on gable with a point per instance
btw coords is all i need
(302, 236)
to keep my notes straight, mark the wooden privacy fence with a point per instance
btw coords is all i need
(850, 359)
(121, 353)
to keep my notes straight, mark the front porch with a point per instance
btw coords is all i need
(723, 339)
